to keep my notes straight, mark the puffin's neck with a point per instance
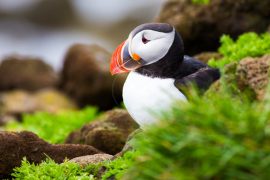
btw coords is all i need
(168, 65)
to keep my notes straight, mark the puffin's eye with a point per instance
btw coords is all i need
(144, 40)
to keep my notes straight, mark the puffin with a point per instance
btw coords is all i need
(153, 55)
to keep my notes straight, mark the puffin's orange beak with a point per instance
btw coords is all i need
(117, 61)
(122, 61)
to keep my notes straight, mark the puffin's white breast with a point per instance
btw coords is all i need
(146, 98)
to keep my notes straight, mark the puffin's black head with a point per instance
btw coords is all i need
(147, 45)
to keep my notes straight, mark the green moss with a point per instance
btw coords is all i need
(248, 44)
(211, 137)
(51, 170)
(54, 128)
(200, 1)
(68, 170)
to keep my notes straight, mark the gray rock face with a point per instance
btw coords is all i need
(108, 134)
(86, 77)
(202, 25)
(27, 73)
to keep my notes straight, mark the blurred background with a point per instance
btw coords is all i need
(55, 54)
(46, 28)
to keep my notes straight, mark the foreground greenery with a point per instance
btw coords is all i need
(68, 170)
(51, 170)
(117, 168)
(214, 137)
(54, 128)
(211, 137)
(248, 44)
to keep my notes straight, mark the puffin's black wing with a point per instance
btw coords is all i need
(197, 73)
(189, 66)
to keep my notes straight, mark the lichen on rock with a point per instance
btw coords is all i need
(247, 78)
(253, 73)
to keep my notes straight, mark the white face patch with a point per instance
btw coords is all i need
(156, 47)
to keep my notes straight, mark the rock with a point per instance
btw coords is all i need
(202, 25)
(28, 73)
(108, 134)
(86, 77)
(4, 119)
(53, 101)
(91, 159)
(206, 56)
(51, 13)
(247, 78)
(18, 102)
(253, 73)
(15, 146)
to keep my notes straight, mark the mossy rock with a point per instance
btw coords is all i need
(247, 78)
(107, 133)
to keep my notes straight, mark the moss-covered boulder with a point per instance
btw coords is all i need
(86, 78)
(253, 73)
(13, 104)
(108, 133)
(201, 25)
(27, 73)
(248, 78)
(53, 101)
(15, 146)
